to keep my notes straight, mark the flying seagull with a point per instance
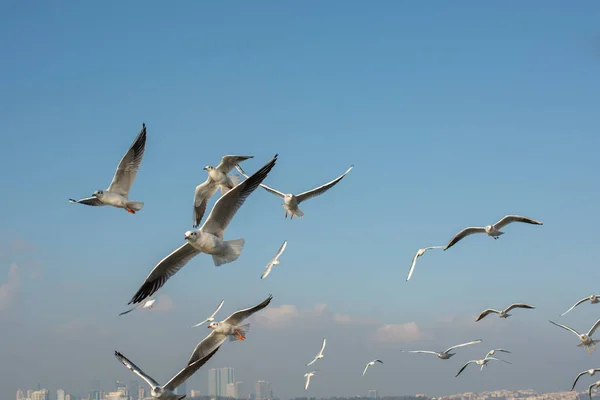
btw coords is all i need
(504, 313)
(307, 376)
(593, 300)
(117, 194)
(320, 355)
(591, 387)
(217, 178)
(208, 239)
(420, 252)
(586, 338)
(444, 355)
(491, 230)
(274, 261)
(480, 362)
(491, 353)
(229, 327)
(590, 372)
(291, 201)
(370, 364)
(166, 392)
(148, 304)
(212, 316)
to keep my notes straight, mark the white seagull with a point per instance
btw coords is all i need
(291, 201)
(491, 353)
(117, 194)
(148, 304)
(212, 316)
(480, 362)
(166, 392)
(444, 355)
(503, 313)
(491, 230)
(593, 299)
(274, 261)
(370, 364)
(208, 239)
(320, 355)
(420, 252)
(217, 178)
(586, 338)
(307, 376)
(590, 372)
(591, 387)
(228, 328)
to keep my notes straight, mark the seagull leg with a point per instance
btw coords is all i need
(286, 213)
(291, 216)
(239, 335)
(594, 346)
(129, 210)
(588, 349)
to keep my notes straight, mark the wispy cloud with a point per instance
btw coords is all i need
(9, 291)
(399, 333)
(163, 303)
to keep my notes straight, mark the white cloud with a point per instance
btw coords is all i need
(163, 303)
(392, 333)
(9, 291)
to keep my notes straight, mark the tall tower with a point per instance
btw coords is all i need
(60, 394)
(226, 376)
(213, 382)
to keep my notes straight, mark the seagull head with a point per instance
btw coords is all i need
(191, 235)
(213, 325)
(208, 168)
(98, 194)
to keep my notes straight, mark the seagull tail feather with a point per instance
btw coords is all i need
(135, 205)
(243, 330)
(232, 252)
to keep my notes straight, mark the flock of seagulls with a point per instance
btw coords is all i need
(209, 238)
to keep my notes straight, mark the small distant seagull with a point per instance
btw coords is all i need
(590, 372)
(274, 261)
(117, 194)
(217, 178)
(593, 300)
(320, 355)
(307, 376)
(420, 252)
(370, 364)
(166, 392)
(480, 362)
(208, 239)
(586, 338)
(591, 387)
(504, 313)
(148, 304)
(444, 355)
(228, 328)
(212, 316)
(491, 230)
(291, 201)
(491, 353)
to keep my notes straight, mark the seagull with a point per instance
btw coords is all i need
(591, 387)
(320, 355)
(370, 364)
(491, 353)
(274, 261)
(212, 316)
(208, 239)
(595, 298)
(590, 372)
(148, 304)
(117, 193)
(420, 252)
(229, 327)
(217, 178)
(166, 392)
(586, 338)
(480, 362)
(491, 230)
(307, 376)
(291, 201)
(446, 353)
(504, 313)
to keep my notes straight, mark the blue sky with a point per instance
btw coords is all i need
(454, 114)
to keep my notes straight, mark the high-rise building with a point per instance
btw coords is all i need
(218, 379)
(96, 395)
(67, 396)
(60, 394)
(227, 377)
(140, 393)
(195, 393)
(41, 394)
(262, 390)
(20, 394)
(29, 393)
(373, 394)
(240, 391)
(230, 391)
(213, 382)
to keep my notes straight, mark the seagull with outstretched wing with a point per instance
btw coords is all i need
(590, 372)
(274, 261)
(585, 338)
(419, 253)
(212, 316)
(320, 355)
(370, 364)
(502, 313)
(593, 299)
(444, 355)
(148, 304)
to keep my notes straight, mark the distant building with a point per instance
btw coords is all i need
(141, 393)
(240, 390)
(67, 396)
(60, 394)
(262, 390)
(373, 394)
(195, 393)
(41, 394)
(118, 395)
(230, 391)
(20, 394)
(218, 379)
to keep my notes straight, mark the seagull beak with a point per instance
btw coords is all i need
(205, 169)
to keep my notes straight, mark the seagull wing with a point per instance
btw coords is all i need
(188, 371)
(228, 204)
(463, 367)
(593, 328)
(485, 313)
(379, 361)
(202, 194)
(209, 344)
(200, 323)
(130, 310)
(129, 165)
(515, 218)
(237, 317)
(267, 271)
(412, 266)
(424, 352)
(575, 305)
(366, 368)
(307, 382)
(267, 188)
(88, 201)
(323, 346)
(321, 189)
(518, 305)
(218, 308)
(281, 249)
(228, 162)
(312, 362)
(577, 378)
(166, 268)
(134, 368)
(463, 344)
(463, 234)
(497, 359)
(590, 390)
(273, 260)
(566, 327)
